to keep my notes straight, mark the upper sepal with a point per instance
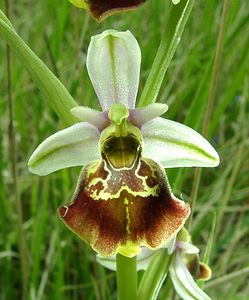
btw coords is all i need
(113, 63)
(139, 116)
(176, 145)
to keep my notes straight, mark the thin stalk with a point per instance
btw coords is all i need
(179, 15)
(154, 276)
(210, 242)
(53, 89)
(12, 147)
(80, 35)
(228, 278)
(51, 56)
(193, 196)
(216, 68)
(230, 184)
(210, 101)
(48, 265)
(209, 246)
(126, 277)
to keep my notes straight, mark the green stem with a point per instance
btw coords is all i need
(210, 101)
(46, 81)
(215, 68)
(12, 152)
(154, 276)
(126, 277)
(193, 196)
(179, 15)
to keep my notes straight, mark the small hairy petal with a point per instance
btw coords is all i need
(73, 146)
(96, 118)
(113, 63)
(176, 145)
(139, 116)
(117, 208)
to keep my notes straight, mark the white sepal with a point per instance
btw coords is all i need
(176, 145)
(113, 63)
(74, 146)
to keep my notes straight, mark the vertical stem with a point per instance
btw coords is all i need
(216, 68)
(210, 101)
(126, 277)
(174, 27)
(79, 40)
(11, 133)
(193, 196)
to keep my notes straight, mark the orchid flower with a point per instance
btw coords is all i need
(100, 9)
(184, 269)
(123, 200)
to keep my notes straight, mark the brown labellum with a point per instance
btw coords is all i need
(114, 207)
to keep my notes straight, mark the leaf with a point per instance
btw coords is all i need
(53, 89)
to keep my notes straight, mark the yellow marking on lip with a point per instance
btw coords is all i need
(129, 249)
(93, 168)
(128, 219)
(104, 195)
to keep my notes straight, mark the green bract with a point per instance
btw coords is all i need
(123, 200)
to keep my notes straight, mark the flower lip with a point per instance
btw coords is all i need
(114, 209)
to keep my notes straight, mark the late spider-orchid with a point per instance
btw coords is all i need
(123, 200)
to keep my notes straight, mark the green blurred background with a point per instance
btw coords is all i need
(59, 265)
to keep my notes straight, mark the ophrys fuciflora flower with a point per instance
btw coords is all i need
(123, 200)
